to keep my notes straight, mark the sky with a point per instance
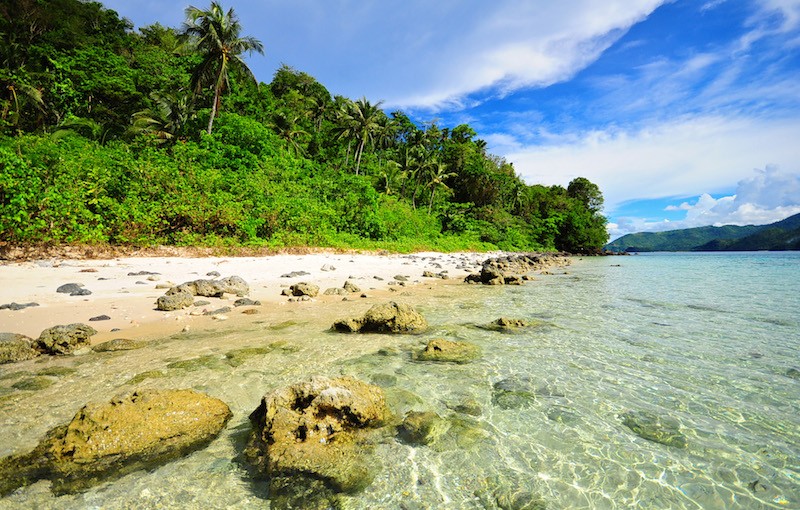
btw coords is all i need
(685, 112)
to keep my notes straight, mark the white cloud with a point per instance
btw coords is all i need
(770, 196)
(675, 158)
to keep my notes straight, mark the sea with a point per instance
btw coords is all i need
(704, 346)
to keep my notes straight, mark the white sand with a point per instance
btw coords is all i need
(131, 305)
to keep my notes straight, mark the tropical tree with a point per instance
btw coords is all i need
(218, 38)
(167, 118)
(437, 177)
(286, 125)
(360, 121)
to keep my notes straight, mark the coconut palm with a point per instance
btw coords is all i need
(437, 175)
(167, 118)
(218, 37)
(359, 121)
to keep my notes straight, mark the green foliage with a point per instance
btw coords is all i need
(106, 137)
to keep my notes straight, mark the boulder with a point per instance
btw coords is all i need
(335, 291)
(449, 351)
(384, 318)
(513, 393)
(246, 302)
(660, 429)
(318, 430)
(64, 339)
(14, 347)
(422, 427)
(351, 287)
(175, 300)
(109, 439)
(304, 289)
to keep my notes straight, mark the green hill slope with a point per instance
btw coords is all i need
(782, 235)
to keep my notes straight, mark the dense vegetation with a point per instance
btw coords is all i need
(163, 136)
(783, 235)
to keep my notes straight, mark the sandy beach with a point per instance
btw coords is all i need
(126, 289)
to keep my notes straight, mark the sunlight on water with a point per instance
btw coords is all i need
(705, 341)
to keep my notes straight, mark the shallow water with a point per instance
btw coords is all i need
(706, 339)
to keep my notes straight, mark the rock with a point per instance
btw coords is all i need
(17, 306)
(213, 288)
(69, 288)
(513, 393)
(218, 311)
(511, 269)
(246, 302)
(327, 267)
(213, 274)
(143, 273)
(420, 428)
(794, 373)
(506, 325)
(401, 278)
(469, 406)
(660, 429)
(64, 339)
(100, 318)
(384, 318)
(175, 301)
(351, 287)
(304, 289)
(119, 344)
(449, 351)
(201, 302)
(335, 291)
(107, 440)
(89, 270)
(14, 348)
(251, 311)
(33, 384)
(320, 430)
(497, 494)
(295, 274)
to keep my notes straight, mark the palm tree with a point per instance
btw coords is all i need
(360, 121)
(286, 126)
(218, 36)
(437, 175)
(167, 118)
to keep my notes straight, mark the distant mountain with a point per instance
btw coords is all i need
(783, 235)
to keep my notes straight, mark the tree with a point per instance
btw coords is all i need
(360, 121)
(219, 39)
(587, 193)
(437, 176)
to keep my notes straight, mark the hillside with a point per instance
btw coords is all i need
(110, 136)
(782, 235)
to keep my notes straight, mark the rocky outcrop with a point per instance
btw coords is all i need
(449, 351)
(107, 440)
(314, 438)
(64, 339)
(513, 269)
(14, 348)
(660, 429)
(384, 318)
(182, 296)
(17, 306)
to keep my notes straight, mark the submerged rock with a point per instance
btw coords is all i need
(119, 344)
(14, 348)
(449, 351)
(499, 494)
(513, 393)
(64, 339)
(506, 325)
(107, 440)
(317, 431)
(660, 429)
(384, 318)
(422, 427)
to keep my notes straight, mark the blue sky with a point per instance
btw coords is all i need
(684, 112)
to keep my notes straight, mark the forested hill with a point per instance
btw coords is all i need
(782, 235)
(115, 136)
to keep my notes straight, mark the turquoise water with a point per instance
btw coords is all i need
(706, 340)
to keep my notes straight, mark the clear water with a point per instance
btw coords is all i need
(706, 339)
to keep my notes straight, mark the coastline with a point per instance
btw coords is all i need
(121, 289)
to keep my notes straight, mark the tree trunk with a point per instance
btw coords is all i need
(214, 107)
(360, 152)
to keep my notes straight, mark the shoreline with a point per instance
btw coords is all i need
(122, 291)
